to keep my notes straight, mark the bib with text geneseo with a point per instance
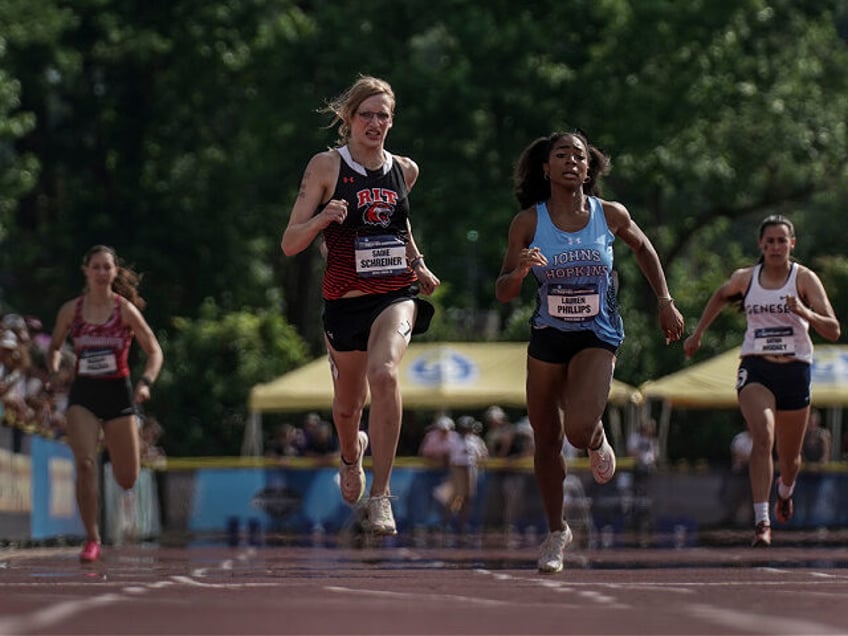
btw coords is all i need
(93, 362)
(774, 341)
(380, 255)
(573, 303)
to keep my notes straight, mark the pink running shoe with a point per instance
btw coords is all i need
(90, 552)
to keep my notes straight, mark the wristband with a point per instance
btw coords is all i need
(145, 381)
(665, 301)
(415, 262)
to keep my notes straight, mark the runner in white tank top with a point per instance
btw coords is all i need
(782, 300)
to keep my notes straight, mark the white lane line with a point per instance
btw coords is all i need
(562, 586)
(43, 619)
(416, 596)
(740, 622)
(187, 580)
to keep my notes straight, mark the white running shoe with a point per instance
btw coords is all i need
(381, 521)
(602, 462)
(352, 476)
(550, 562)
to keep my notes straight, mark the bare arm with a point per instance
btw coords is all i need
(622, 225)
(427, 280)
(735, 286)
(316, 186)
(814, 305)
(149, 344)
(519, 259)
(60, 334)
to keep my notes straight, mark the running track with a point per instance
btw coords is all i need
(401, 590)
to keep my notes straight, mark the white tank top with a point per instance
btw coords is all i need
(772, 328)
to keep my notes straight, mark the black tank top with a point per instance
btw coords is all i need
(372, 236)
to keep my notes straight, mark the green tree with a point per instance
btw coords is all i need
(211, 363)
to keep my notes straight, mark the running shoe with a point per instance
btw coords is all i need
(352, 476)
(602, 462)
(381, 521)
(550, 562)
(762, 535)
(90, 552)
(783, 509)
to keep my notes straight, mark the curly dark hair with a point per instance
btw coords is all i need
(529, 178)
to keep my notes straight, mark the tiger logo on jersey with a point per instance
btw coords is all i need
(379, 204)
(378, 214)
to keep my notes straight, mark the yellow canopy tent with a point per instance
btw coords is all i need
(712, 385)
(451, 375)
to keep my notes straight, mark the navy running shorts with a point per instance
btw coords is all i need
(789, 382)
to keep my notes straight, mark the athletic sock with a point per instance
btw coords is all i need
(761, 512)
(783, 490)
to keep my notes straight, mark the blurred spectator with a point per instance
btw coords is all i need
(643, 446)
(437, 442)
(817, 441)
(17, 325)
(817, 498)
(467, 450)
(27, 399)
(498, 431)
(288, 442)
(522, 444)
(321, 441)
(519, 483)
(735, 490)
(152, 454)
(15, 361)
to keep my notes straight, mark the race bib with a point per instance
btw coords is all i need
(97, 362)
(382, 255)
(776, 341)
(573, 303)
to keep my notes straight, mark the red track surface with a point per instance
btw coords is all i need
(390, 590)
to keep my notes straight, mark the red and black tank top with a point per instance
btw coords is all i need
(367, 252)
(102, 350)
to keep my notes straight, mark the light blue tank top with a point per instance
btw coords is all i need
(577, 288)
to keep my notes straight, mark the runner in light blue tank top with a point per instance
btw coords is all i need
(564, 235)
(577, 291)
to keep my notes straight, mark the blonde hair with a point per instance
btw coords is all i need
(343, 107)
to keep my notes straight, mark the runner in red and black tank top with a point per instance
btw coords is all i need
(378, 208)
(102, 350)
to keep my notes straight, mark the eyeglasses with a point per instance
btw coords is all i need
(367, 115)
